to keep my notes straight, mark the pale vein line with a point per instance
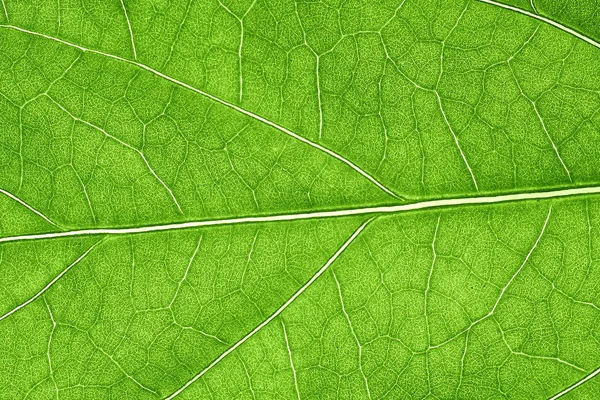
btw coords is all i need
(456, 141)
(218, 100)
(5, 12)
(124, 144)
(550, 139)
(118, 365)
(185, 274)
(533, 6)
(130, 31)
(544, 19)
(353, 332)
(426, 295)
(319, 97)
(537, 112)
(287, 345)
(489, 314)
(275, 314)
(524, 261)
(319, 214)
(49, 347)
(52, 282)
(576, 384)
(38, 213)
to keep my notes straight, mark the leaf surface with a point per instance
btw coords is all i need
(277, 199)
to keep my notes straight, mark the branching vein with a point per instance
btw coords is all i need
(353, 332)
(275, 314)
(124, 144)
(130, 31)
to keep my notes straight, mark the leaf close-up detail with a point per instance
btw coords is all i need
(279, 199)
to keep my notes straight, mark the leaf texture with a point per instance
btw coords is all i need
(299, 200)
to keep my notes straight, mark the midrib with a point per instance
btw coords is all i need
(378, 210)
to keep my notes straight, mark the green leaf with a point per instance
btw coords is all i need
(276, 199)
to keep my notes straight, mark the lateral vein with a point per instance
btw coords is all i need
(576, 384)
(506, 198)
(30, 208)
(5, 12)
(52, 282)
(544, 19)
(218, 100)
(275, 314)
(130, 30)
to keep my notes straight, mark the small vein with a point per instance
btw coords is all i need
(218, 100)
(248, 378)
(5, 12)
(462, 154)
(462, 366)
(185, 16)
(493, 310)
(544, 19)
(287, 345)
(85, 192)
(187, 270)
(49, 346)
(319, 97)
(520, 353)
(275, 314)
(360, 347)
(111, 358)
(142, 156)
(130, 30)
(537, 112)
(30, 208)
(551, 141)
(52, 282)
(524, 261)
(466, 201)
(426, 295)
(531, 2)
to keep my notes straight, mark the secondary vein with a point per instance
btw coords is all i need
(52, 282)
(30, 208)
(275, 314)
(544, 19)
(316, 215)
(216, 99)
(576, 384)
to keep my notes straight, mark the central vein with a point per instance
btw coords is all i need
(315, 215)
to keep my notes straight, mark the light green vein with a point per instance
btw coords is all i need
(576, 384)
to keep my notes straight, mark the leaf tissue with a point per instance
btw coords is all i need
(309, 199)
